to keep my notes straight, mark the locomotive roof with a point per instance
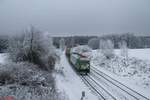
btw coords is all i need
(81, 49)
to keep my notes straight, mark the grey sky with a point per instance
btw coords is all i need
(76, 16)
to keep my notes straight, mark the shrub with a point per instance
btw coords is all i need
(6, 78)
(28, 82)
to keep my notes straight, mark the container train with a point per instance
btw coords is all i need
(80, 59)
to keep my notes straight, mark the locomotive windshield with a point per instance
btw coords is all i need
(85, 61)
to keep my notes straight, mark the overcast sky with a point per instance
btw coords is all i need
(76, 16)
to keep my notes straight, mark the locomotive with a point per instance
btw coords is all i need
(80, 59)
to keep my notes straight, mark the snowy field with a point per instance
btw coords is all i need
(143, 54)
(135, 75)
(70, 83)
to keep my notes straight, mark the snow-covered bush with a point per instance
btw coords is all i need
(25, 82)
(119, 66)
(6, 78)
(107, 48)
(33, 46)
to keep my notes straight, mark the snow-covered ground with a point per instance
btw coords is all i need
(69, 82)
(136, 74)
(143, 54)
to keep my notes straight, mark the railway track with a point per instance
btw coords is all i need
(101, 92)
(88, 83)
(126, 91)
(107, 88)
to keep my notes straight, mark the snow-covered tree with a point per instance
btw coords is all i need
(107, 48)
(72, 42)
(124, 52)
(123, 49)
(93, 43)
(33, 46)
(3, 43)
(62, 44)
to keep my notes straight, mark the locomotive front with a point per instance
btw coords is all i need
(80, 59)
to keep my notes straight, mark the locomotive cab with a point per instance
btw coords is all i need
(84, 66)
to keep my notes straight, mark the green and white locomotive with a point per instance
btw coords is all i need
(80, 59)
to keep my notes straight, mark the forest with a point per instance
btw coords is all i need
(133, 41)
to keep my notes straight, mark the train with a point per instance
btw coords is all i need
(79, 58)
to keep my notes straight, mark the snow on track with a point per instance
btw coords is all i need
(69, 82)
(102, 91)
(125, 86)
(127, 92)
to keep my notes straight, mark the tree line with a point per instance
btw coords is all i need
(133, 41)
